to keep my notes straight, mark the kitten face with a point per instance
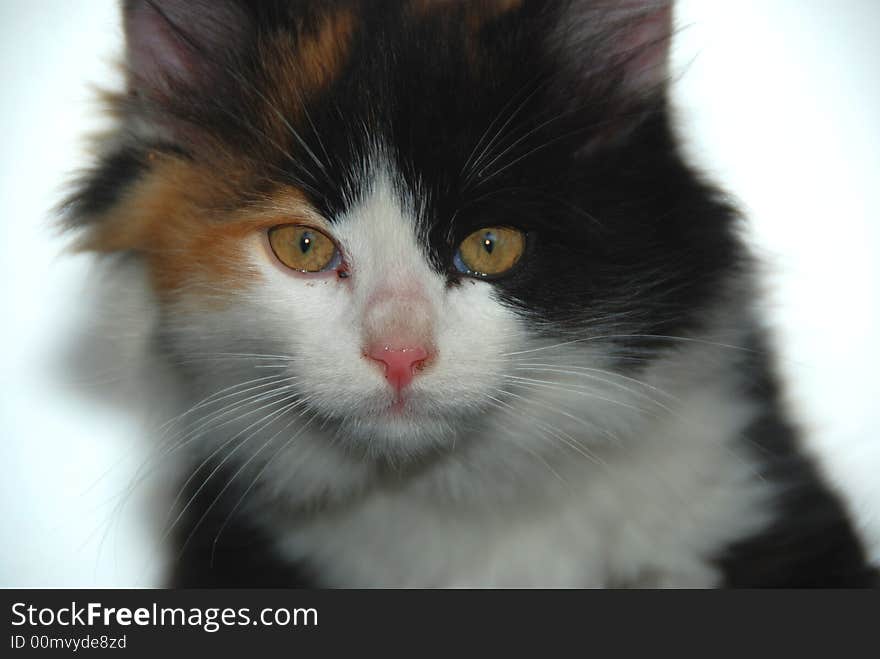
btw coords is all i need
(396, 132)
(323, 327)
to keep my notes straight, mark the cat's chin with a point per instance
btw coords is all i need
(397, 432)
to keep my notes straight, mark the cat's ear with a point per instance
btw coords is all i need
(624, 43)
(178, 50)
(180, 41)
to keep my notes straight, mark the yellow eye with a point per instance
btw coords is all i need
(490, 251)
(304, 248)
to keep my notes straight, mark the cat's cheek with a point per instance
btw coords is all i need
(475, 334)
(313, 319)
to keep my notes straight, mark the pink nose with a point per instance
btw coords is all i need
(400, 363)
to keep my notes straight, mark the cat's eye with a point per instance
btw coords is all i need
(304, 248)
(490, 251)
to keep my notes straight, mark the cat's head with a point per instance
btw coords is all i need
(404, 223)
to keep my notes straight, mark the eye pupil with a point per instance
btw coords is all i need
(489, 251)
(305, 243)
(304, 249)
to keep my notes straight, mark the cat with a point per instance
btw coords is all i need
(446, 304)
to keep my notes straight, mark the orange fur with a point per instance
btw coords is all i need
(476, 14)
(185, 223)
(300, 65)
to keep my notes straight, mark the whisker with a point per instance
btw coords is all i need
(578, 373)
(520, 140)
(605, 372)
(222, 491)
(259, 474)
(213, 398)
(549, 384)
(143, 473)
(472, 167)
(628, 336)
(562, 436)
(263, 423)
(225, 411)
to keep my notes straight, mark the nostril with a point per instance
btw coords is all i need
(390, 356)
(400, 364)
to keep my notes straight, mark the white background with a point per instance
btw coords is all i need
(779, 101)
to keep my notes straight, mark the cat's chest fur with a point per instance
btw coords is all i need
(656, 513)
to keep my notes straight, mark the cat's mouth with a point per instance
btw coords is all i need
(406, 421)
(398, 406)
(403, 405)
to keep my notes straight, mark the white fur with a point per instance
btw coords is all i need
(653, 512)
(517, 463)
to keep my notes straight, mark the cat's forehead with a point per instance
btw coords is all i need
(429, 91)
(310, 47)
(451, 93)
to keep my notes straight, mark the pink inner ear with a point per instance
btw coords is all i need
(627, 40)
(155, 52)
(644, 44)
(181, 40)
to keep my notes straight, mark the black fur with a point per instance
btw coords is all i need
(214, 547)
(104, 183)
(812, 543)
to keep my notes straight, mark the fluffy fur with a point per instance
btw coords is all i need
(602, 415)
